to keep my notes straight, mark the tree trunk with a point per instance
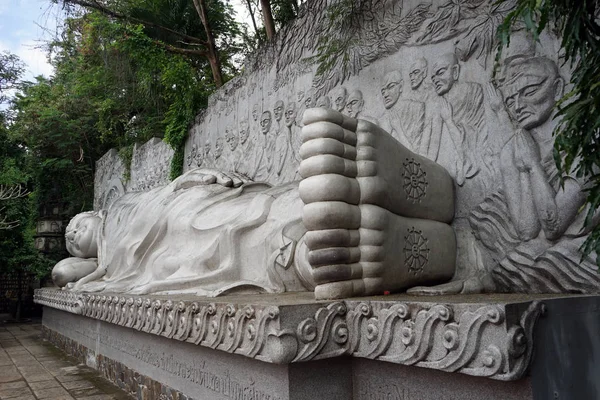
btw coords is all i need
(258, 35)
(213, 56)
(268, 18)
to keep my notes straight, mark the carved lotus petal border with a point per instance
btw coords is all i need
(473, 339)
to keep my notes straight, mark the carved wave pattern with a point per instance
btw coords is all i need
(470, 339)
(474, 342)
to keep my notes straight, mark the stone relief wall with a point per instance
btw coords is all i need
(425, 72)
(150, 167)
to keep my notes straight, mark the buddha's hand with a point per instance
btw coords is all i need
(206, 176)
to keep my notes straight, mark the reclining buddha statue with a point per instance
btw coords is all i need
(368, 217)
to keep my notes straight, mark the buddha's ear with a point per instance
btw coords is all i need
(559, 86)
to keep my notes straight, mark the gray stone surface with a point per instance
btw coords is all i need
(374, 380)
(428, 80)
(199, 372)
(150, 165)
(474, 335)
(565, 365)
(337, 231)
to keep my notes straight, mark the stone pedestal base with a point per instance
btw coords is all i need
(291, 347)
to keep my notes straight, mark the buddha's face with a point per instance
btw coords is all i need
(265, 122)
(532, 92)
(81, 236)
(391, 89)
(278, 110)
(290, 115)
(445, 74)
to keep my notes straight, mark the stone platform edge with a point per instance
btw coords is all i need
(493, 340)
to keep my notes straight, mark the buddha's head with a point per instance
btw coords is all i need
(82, 235)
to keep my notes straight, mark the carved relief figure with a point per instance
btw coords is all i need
(354, 107)
(246, 148)
(232, 139)
(461, 111)
(278, 114)
(193, 236)
(293, 132)
(339, 96)
(420, 89)
(191, 157)
(265, 149)
(404, 119)
(532, 226)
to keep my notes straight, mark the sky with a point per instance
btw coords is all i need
(26, 24)
(24, 27)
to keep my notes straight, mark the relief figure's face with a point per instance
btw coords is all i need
(339, 96)
(231, 139)
(244, 132)
(255, 113)
(531, 94)
(417, 73)
(392, 89)
(278, 110)
(81, 236)
(290, 115)
(355, 104)
(218, 148)
(265, 122)
(445, 74)
(309, 99)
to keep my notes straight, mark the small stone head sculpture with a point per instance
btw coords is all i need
(391, 89)
(530, 88)
(278, 110)
(231, 138)
(300, 96)
(417, 73)
(265, 122)
(290, 114)
(218, 147)
(355, 104)
(255, 112)
(446, 71)
(339, 96)
(82, 235)
(324, 101)
(244, 131)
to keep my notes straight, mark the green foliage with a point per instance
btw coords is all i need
(577, 146)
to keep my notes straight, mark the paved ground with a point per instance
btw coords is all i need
(32, 369)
